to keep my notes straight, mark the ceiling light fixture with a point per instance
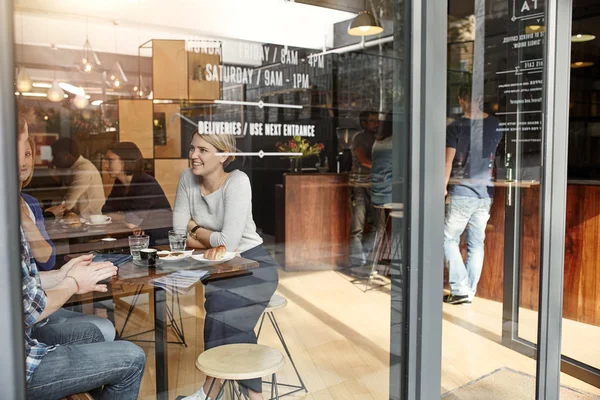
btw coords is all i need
(42, 85)
(71, 89)
(80, 100)
(97, 102)
(88, 53)
(364, 24)
(55, 93)
(581, 64)
(582, 37)
(24, 83)
(534, 28)
(33, 94)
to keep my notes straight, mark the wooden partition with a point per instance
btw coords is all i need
(135, 125)
(167, 174)
(198, 87)
(172, 149)
(169, 69)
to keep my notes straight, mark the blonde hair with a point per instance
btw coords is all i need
(33, 147)
(223, 143)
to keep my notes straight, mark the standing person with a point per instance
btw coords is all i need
(471, 143)
(134, 192)
(85, 191)
(70, 358)
(216, 209)
(381, 174)
(360, 193)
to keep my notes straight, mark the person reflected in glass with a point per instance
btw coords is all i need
(470, 193)
(71, 357)
(360, 193)
(215, 207)
(85, 192)
(381, 176)
(135, 193)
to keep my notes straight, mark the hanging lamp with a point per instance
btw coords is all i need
(55, 93)
(364, 24)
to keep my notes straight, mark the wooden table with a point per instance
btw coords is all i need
(131, 274)
(87, 238)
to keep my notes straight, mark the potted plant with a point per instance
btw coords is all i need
(301, 146)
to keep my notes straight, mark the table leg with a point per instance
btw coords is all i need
(160, 344)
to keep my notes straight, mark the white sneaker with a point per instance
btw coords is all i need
(199, 395)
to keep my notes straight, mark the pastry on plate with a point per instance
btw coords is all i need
(216, 253)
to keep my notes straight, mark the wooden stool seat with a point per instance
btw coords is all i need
(240, 361)
(276, 303)
(79, 396)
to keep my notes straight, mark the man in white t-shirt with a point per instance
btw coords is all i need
(85, 191)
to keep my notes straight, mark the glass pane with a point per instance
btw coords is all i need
(581, 317)
(264, 147)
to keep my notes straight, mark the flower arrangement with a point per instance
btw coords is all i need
(298, 144)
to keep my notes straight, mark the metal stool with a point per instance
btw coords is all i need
(234, 362)
(276, 303)
(382, 241)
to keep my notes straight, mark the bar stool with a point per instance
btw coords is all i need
(234, 362)
(382, 240)
(276, 303)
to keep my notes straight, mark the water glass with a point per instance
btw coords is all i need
(178, 239)
(137, 243)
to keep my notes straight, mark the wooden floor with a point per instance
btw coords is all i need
(339, 337)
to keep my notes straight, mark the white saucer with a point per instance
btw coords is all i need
(228, 256)
(100, 224)
(186, 254)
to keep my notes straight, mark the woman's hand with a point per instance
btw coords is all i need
(136, 230)
(81, 260)
(88, 276)
(58, 210)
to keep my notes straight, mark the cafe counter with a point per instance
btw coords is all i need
(582, 251)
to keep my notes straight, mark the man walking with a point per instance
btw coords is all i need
(471, 143)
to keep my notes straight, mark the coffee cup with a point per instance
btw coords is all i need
(148, 256)
(99, 219)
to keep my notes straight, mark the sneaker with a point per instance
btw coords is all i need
(199, 395)
(456, 299)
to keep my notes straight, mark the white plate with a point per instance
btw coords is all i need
(186, 254)
(228, 256)
(100, 224)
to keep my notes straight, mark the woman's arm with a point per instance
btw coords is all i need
(182, 212)
(42, 247)
(237, 208)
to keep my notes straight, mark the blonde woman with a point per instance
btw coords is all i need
(215, 207)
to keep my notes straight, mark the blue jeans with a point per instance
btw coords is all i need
(61, 316)
(473, 214)
(361, 212)
(83, 362)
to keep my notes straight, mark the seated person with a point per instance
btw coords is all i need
(65, 359)
(85, 191)
(42, 248)
(216, 209)
(134, 192)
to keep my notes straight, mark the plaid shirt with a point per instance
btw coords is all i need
(34, 302)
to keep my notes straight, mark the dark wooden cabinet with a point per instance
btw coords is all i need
(313, 221)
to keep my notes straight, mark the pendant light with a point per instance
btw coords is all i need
(81, 101)
(364, 24)
(117, 75)
(88, 54)
(55, 93)
(24, 83)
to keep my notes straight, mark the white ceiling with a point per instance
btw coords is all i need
(65, 23)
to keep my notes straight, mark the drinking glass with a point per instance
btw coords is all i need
(137, 243)
(178, 239)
